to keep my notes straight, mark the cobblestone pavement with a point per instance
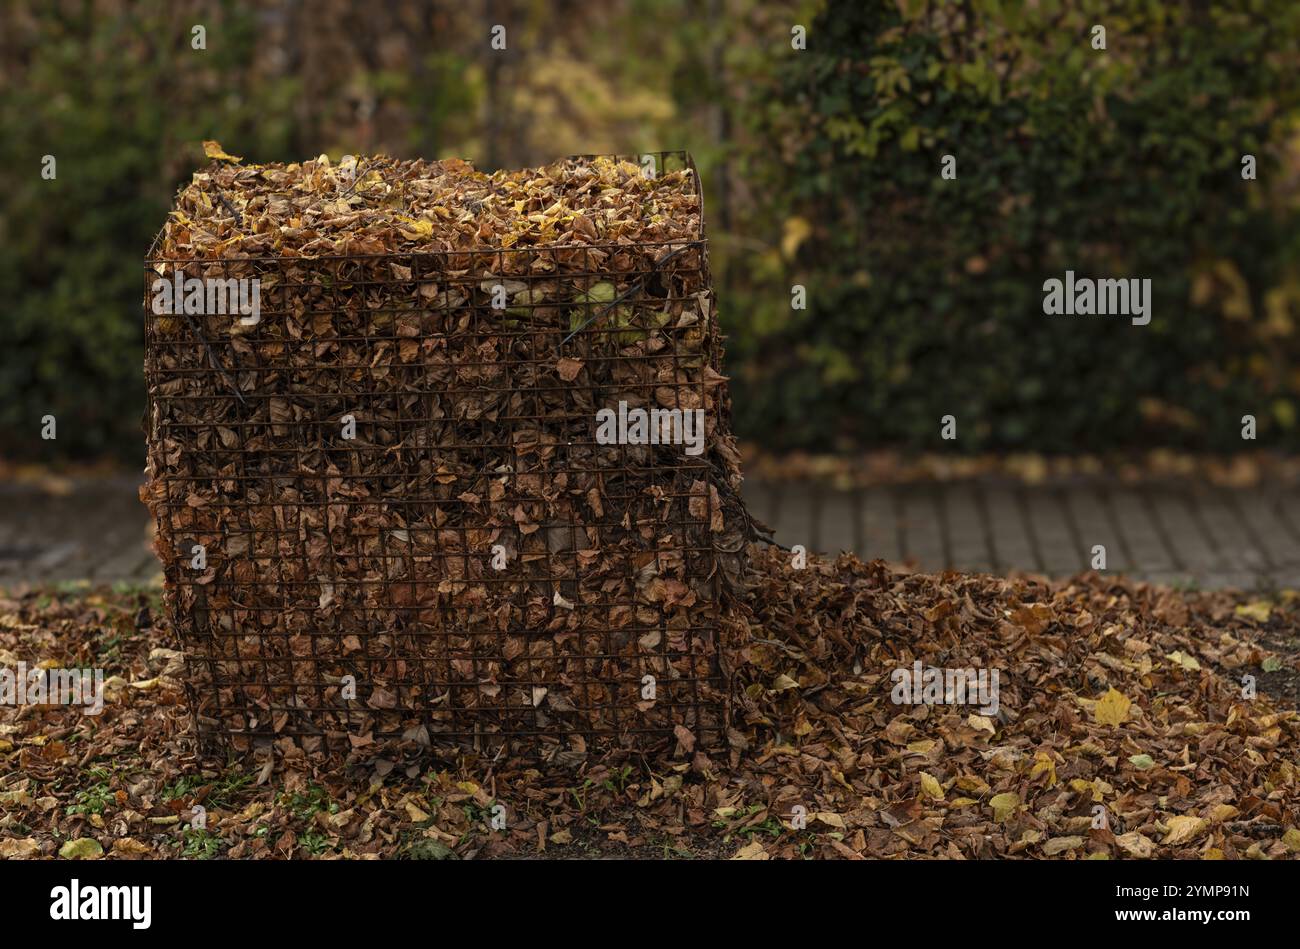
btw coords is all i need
(1175, 534)
(1207, 536)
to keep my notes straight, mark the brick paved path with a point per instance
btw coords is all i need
(97, 530)
(1213, 537)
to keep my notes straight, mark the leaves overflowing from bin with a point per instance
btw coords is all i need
(470, 327)
(1115, 695)
(384, 205)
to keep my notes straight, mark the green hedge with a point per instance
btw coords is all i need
(119, 97)
(121, 102)
(925, 295)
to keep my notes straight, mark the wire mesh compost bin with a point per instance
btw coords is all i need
(437, 456)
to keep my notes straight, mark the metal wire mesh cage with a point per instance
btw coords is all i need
(473, 496)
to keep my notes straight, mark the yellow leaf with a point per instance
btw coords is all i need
(930, 786)
(1184, 829)
(751, 851)
(830, 819)
(1277, 306)
(981, 723)
(1236, 292)
(1061, 844)
(418, 229)
(1292, 840)
(1184, 660)
(18, 847)
(783, 682)
(1284, 412)
(83, 848)
(795, 232)
(1112, 708)
(213, 150)
(1004, 806)
(1136, 845)
(1222, 812)
(130, 845)
(1260, 610)
(1043, 763)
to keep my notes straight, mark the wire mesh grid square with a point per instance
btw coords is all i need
(472, 566)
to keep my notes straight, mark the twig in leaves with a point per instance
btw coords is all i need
(216, 364)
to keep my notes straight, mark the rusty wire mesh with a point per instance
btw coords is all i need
(373, 557)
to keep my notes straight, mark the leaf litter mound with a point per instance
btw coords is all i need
(381, 205)
(1116, 695)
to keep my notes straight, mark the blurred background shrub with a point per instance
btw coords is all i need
(925, 295)
(821, 168)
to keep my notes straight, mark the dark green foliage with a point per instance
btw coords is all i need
(925, 295)
(116, 93)
(121, 102)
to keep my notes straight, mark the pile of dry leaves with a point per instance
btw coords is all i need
(1122, 730)
(380, 205)
(394, 475)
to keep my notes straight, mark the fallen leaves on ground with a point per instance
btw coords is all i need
(1101, 746)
